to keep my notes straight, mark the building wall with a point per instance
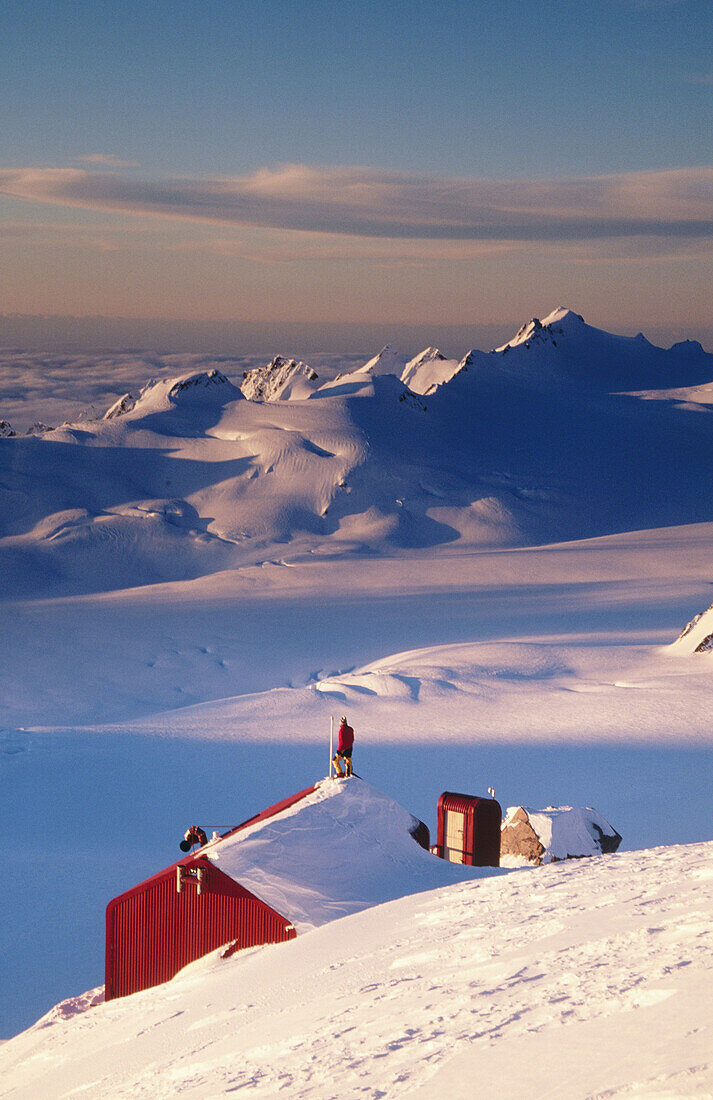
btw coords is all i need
(152, 931)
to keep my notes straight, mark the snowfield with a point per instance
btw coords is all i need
(487, 562)
(587, 978)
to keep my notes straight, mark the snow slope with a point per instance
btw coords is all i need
(588, 978)
(697, 635)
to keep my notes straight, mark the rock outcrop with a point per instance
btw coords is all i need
(281, 380)
(556, 833)
(124, 405)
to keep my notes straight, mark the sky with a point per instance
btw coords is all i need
(231, 169)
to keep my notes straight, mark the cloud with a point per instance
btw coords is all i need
(326, 248)
(372, 203)
(107, 160)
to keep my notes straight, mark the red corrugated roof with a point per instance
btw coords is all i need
(271, 811)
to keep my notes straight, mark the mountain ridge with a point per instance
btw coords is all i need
(525, 445)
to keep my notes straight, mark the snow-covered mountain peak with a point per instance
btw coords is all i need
(120, 407)
(428, 370)
(562, 315)
(428, 355)
(196, 389)
(687, 347)
(200, 386)
(557, 323)
(697, 635)
(533, 329)
(388, 361)
(281, 380)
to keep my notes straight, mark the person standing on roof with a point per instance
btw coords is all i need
(344, 749)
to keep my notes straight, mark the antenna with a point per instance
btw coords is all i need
(491, 792)
(331, 744)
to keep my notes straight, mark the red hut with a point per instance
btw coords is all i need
(182, 913)
(322, 853)
(469, 829)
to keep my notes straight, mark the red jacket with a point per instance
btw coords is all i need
(346, 737)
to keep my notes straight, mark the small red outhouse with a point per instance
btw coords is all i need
(469, 829)
(182, 913)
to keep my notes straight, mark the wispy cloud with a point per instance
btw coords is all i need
(365, 202)
(106, 160)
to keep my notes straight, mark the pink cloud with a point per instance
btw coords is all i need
(365, 202)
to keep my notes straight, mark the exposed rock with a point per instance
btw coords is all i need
(6, 430)
(201, 380)
(124, 405)
(556, 833)
(280, 380)
(519, 839)
(536, 332)
(38, 428)
(689, 627)
(412, 401)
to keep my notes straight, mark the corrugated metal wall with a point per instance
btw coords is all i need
(153, 930)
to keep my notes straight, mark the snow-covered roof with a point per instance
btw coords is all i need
(341, 848)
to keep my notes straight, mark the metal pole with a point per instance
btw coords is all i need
(331, 744)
